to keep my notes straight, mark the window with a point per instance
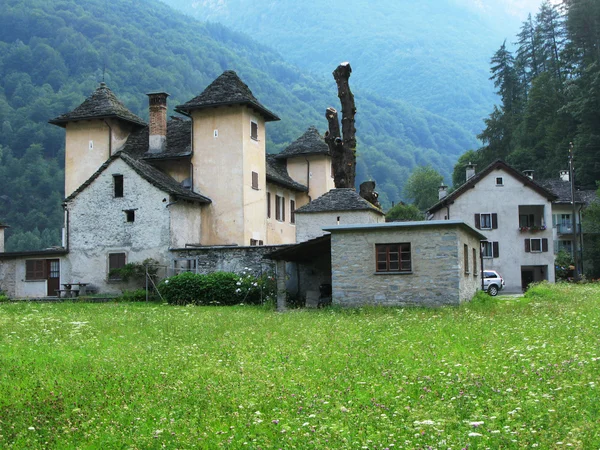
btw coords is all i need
(255, 180)
(130, 215)
(535, 245)
(254, 242)
(486, 221)
(268, 205)
(393, 257)
(118, 185)
(474, 262)
(292, 211)
(35, 269)
(466, 258)
(254, 130)
(115, 261)
(490, 249)
(280, 208)
(499, 181)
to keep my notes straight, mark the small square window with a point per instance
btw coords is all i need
(130, 215)
(499, 181)
(393, 257)
(254, 130)
(536, 245)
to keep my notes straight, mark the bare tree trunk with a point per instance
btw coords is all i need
(367, 191)
(342, 145)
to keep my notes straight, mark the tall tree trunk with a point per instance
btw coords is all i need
(342, 145)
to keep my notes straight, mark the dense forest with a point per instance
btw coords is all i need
(432, 54)
(549, 86)
(53, 54)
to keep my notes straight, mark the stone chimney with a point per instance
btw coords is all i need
(442, 191)
(564, 175)
(2, 227)
(470, 170)
(158, 122)
(528, 173)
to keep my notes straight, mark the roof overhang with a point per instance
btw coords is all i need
(303, 251)
(34, 254)
(267, 115)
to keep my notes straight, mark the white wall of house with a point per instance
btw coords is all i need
(310, 225)
(98, 226)
(507, 200)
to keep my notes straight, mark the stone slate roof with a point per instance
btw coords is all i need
(3, 225)
(179, 142)
(151, 174)
(562, 189)
(496, 165)
(277, 173)
(310, 143)
(343, 199)
(227, 89)
(102, 104)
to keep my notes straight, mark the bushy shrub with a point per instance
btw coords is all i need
(3, 298)
(217, 288)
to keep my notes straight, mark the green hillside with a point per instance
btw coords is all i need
(54, 53)
(432, 54)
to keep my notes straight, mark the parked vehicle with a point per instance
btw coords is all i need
(492, 282)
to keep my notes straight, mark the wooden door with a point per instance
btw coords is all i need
(52, 276)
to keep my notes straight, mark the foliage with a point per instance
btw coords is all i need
(217, 288)
(404, 212)
(422, 187)
(591, 235)
(562, 262)
(550, 96)
(336, 378)
(137, 272)
(3, 298)
(54, 53)
(138, 295)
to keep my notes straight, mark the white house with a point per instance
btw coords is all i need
(514, 212)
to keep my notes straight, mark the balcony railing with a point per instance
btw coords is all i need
(563, 228)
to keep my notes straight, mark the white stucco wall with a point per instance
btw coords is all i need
(310, 225)
(97, 226)
(487, 197)
(186, 224)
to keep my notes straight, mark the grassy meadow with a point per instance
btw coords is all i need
(512, 373)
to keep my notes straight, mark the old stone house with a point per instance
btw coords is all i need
(158, 190)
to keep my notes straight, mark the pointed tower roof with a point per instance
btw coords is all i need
(102, 104)
(226, 90)
(310, 143)
(340, 199)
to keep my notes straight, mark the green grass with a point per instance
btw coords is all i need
(491, 374)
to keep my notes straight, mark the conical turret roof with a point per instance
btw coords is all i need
(227, 89)
(101, 104)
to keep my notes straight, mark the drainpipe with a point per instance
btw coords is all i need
(308, 178)
(448, 211)
(110, 133)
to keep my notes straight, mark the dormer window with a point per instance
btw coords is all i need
(118, 185)
(254, 130)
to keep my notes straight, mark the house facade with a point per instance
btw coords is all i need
(515, 213)
(136, 191)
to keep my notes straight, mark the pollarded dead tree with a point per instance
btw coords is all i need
(342, 145)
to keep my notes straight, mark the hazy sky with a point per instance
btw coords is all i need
(517, 8)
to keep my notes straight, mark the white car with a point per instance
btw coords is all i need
(492, 282)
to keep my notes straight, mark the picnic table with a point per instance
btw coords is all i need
(69, 292)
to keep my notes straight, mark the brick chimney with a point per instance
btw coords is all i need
(564, 175)
(158, 122)
(470, 172)
(442, 191)
(528, 173)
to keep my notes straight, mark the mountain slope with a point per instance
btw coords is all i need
(54, 53)
(431, 54)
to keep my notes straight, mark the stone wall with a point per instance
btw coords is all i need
(435, 280)
(8, 277)
(310, 225)
(222, 259)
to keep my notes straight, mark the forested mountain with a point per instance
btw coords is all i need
(433, 54)
(53, 54)
(549, 87)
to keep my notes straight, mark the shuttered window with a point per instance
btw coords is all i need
(535, 245)
(280, 208)
(490, 249)
(255, 180)
(115, 261)
(268, 205)
(486, 221)
(292, 211)
(466, 258)
(254, 130)
(35, 269)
